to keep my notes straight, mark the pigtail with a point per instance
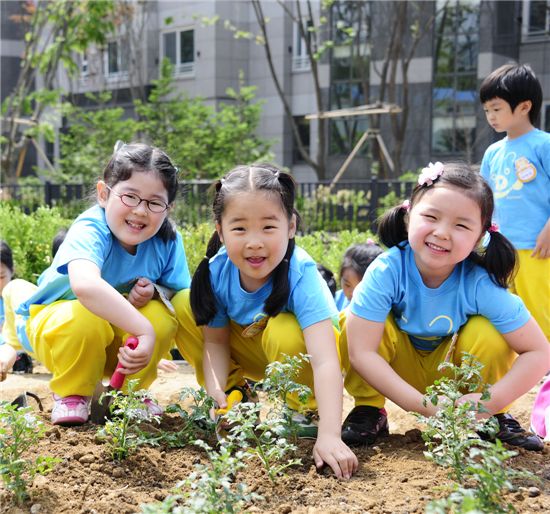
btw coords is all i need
(392, 228)
(499, 259)
(167, 231)
(203, 303)
(280, 285)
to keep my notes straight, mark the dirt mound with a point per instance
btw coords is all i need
(394, 476)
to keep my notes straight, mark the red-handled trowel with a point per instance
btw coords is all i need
(99, 410)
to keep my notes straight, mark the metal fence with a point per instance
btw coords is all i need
(346, 205)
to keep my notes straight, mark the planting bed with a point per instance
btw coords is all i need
(393, 476)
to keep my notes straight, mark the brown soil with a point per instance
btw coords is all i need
(393, 476)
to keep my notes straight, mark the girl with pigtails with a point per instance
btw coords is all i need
(439, 291)
(255, 297)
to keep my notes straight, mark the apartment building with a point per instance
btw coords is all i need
(461, 42)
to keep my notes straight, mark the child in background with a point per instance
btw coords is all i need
(518, 170)
(328, 277)
(435, 281)
(255, 297)
(8, 354)
(11, 355)
(355, 262)
(79, 317)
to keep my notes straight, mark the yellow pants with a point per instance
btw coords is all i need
(15, 293)
(532, 285)
(80, 348)
(249, 356)
(419, 368)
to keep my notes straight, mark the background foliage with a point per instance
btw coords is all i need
(30, 237)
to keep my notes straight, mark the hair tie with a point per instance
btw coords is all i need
(118, 145)
(430, 174)
(406, 205)
(370, 241)
(494, 227)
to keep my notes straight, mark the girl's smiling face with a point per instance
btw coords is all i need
(444, 227)
(133, 225)
(255, 231)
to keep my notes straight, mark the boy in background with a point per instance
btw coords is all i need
(518, 169)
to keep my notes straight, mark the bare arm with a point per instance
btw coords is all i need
(329, 447)
(8, 355)
(216, 357)
(542, 247)
(363, 341)
(532, 363)
(106, 302)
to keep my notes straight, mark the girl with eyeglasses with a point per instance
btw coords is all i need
(103, 285)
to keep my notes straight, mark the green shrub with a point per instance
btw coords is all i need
(30, 237)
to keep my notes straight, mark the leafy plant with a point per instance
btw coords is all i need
(264, 439)
(128, 411)
(196, 419)
(20, 431)
(452, 431)
(280, 383)
(211, 488)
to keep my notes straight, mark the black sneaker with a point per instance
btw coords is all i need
(23, 363)
(364, 424)
(512, 433)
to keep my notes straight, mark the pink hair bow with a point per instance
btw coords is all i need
(429, 174)
(494, 227)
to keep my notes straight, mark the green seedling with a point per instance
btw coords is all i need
(452, 431)
(263, 439)
(196, 420)
(20, 430)
(280, 383)
(128, 412)
(211, 488)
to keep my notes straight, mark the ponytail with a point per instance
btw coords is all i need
(499, 259)
(203, 302)
(280, 285)
(392, 228)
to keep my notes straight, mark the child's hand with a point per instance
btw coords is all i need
(333, 451)
(8, 355)
(133, 361)
(141, 293)
(542, 247)
(475, 399)
(220, 400)
(166, 365)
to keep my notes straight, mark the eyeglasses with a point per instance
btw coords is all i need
(133, 200)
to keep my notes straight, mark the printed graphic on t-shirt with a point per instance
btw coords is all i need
(525, 171)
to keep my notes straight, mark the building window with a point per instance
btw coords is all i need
(300, 57)
(84, 67)
(179, 48)
(454, 97)
(116, 60)
(350, 62)
(304, 130)
(536, 18)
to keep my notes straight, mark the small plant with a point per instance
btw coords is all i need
(197, 423)
(280, 383)
(20, 430)
(452, 431)
(128, 411)
(211, 488)
(263, 439)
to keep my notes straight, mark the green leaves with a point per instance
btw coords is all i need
(20, 431)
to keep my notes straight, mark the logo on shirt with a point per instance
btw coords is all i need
(260, 322)
(525, 171)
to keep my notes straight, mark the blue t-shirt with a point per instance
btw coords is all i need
(341, 300)
(162, 262)
(518, 171)
(392, 283)
(310, 299)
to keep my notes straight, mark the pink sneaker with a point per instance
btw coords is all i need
(70, 410)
